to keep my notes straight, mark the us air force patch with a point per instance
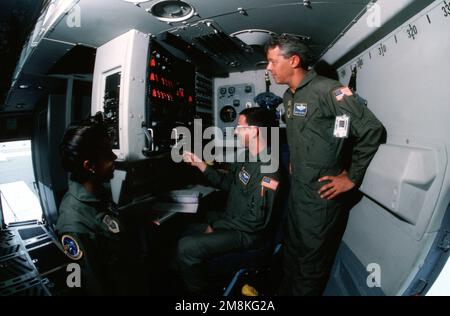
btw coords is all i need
(71, 247)
(300, 109)
(244, 176)
(112, 224)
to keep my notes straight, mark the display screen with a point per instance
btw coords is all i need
(171, 84)
(170, 91)
(111, 101)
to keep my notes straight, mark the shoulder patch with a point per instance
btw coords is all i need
(112, 224)
(342, 92)
(269, 183)
(71, 247)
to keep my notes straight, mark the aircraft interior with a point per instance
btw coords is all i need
(156, 70)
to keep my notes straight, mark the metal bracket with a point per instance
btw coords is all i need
(148, 132)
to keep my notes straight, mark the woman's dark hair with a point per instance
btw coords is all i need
(89, 141)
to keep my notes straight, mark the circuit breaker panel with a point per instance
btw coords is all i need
(232, 99)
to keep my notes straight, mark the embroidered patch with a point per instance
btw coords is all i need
(112, 224)
(300, 109)
(244, 176)
(71, 247)
(341, 92)
(269, 183)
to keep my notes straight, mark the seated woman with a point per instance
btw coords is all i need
(89, 230)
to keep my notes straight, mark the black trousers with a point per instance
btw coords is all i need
(197, 247)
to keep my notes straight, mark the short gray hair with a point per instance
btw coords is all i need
(291, 45)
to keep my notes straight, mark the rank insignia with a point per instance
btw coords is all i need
(289, 109)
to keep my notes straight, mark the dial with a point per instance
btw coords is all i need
(228, 114)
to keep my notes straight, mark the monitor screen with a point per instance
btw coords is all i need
(170, 92)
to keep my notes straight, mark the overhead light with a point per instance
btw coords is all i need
(262, 63)
(172, 11)
(253, 36)
(137, 1)
(242, 11)
(24, 86)
(304, 38)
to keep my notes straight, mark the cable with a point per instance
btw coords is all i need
(10, 208)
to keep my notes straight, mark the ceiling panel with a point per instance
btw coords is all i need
(323, 23)
(103, 20)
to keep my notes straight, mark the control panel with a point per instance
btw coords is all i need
(232, 99)
(111, 102)
(203, 92)
(170, 95)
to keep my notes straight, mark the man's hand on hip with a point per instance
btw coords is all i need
(337, 185)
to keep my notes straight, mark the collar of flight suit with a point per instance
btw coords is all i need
(80, 193)
(247, 153)
(310, 75)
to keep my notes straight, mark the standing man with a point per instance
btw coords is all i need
(247, 218)
(322, 117)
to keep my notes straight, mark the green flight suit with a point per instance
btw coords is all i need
(311, 112)
(244, 223)
(90, 234)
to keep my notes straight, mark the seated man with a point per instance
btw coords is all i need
(249, 206)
